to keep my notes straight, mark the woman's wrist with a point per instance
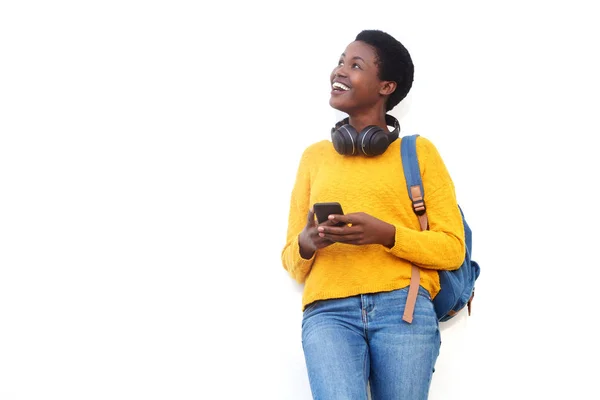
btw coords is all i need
(389, 236)
(305, 251)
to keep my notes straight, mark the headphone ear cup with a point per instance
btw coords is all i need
(344, 140)
(373, 141)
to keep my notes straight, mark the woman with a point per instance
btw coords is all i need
(356, 277)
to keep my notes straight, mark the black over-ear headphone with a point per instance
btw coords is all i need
(371, 141)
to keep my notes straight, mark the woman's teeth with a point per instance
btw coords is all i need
(340, 86)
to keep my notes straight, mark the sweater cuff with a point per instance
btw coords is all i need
(399, 247)
(301, 264)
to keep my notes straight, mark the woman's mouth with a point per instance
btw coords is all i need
(339, 88)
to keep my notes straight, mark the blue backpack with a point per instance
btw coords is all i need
(457, 286)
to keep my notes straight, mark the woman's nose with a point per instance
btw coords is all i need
(339, 71)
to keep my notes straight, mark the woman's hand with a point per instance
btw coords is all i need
(360, 228)
(309, 239)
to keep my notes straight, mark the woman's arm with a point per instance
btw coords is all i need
(443, 245)
(293, 261)
(440, 247)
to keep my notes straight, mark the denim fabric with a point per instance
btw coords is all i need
(362, 339)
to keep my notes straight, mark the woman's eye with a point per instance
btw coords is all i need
(355, 66)
(340, 63)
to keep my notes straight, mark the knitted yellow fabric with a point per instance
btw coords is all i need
(376, 186)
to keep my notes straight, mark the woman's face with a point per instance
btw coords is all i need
(355, 83)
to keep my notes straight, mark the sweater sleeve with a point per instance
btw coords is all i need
(292, 261)
(442, 247)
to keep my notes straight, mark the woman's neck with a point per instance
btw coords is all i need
(360, 121)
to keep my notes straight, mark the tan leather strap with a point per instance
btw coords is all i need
(413, 290)
(419, 206)
(470, 301)
(415, 275)
(417, 199)
(423, 221)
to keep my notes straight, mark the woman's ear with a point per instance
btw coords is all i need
(387, 88)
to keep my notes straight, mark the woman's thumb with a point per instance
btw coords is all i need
(310, 220)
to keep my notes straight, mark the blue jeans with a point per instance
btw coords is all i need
(362, 339)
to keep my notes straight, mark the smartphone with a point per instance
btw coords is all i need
(324, 210)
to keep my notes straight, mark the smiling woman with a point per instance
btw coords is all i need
(367, 69)
(356, 268)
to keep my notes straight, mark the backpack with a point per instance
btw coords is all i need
(457, 286)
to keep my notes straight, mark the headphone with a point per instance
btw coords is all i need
(371, 141)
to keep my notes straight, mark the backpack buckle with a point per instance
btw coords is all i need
(419, 207)
(417, 200)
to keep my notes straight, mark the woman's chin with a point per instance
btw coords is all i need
(338, 105)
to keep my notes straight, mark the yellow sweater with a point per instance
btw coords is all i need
(376, 186)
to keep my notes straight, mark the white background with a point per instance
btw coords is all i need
(148, 151)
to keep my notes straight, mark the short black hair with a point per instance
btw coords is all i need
(394, 61)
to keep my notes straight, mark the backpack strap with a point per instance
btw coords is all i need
(412, 174)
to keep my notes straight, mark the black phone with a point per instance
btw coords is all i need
(324, 210)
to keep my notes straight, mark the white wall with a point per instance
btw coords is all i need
(147, 153)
